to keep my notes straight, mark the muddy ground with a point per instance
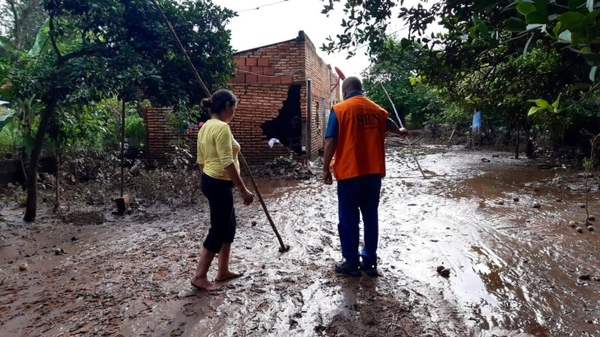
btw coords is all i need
(516, 269)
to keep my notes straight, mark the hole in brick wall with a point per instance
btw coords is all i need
(287, 126)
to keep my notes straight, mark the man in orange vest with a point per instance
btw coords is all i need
(356, 134)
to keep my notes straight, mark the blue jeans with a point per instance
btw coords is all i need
(360, 194)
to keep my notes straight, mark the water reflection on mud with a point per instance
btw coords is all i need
(516, 270)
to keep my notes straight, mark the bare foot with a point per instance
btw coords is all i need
(227, 276)
(203, 284)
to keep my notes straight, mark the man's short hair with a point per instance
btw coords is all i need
(352, 83)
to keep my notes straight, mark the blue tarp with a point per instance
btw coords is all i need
(476, 120)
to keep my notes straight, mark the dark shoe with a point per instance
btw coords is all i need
(369, 269)
(348, 269)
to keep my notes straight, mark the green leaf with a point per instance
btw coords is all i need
(536, 17)
(533, 110)
(571, 20)
(557, 29)
(589, 18)
(565, 36)
(556, 103)
(485, 5)
(593, 73)
(526, 8)
(577, 38)
(542, 7)
(516, 25)
(28, 143)
(482, 27)
(6, 119)
(541, 103)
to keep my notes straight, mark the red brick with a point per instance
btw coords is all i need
(286, 79)
(257, 70)
(263, 62)
(276, 80)
(240, 78)
(250, 61)
(269, 71)
(251, 78)
(263, 79)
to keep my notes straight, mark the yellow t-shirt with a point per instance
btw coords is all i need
(217, 149)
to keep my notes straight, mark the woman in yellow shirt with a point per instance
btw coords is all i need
(220, 169)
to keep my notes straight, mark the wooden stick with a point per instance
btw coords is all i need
(400, 121)
(283, 247)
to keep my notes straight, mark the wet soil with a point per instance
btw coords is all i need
(499, 225)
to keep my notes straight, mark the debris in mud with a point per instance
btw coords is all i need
(443, 271)
(485, 160)
(572, 224)
(536, 205)
(58, 251)
(285, 167)
(84, 218)
(500, 202)
(253, 223)
(591, 218)
(585, 277)
(23, 266)
(590, 228)
(516, 199)
(579, 230)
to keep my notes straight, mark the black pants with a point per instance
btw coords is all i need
(222, 214)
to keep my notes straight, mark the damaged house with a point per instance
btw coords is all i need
(285, 92)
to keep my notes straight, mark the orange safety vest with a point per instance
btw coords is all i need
(361, 136)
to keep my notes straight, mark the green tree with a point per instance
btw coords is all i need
(394, 70)
(98, 49)
(486, 55)
(20, 21)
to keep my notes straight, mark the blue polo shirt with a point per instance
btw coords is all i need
(333, 126)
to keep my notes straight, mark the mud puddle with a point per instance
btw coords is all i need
(515, 270)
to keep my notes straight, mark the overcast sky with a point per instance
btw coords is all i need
(280, 20)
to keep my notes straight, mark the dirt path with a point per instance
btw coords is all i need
(515, 270)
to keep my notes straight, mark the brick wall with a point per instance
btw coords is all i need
(264, 78)
(322, 79)
(159, 135)
(257, 103)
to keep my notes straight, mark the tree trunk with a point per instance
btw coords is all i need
(517, 143)
(57, 184)
(32, 168)
(529, 146)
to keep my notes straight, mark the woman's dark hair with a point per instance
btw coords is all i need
(219, 101)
